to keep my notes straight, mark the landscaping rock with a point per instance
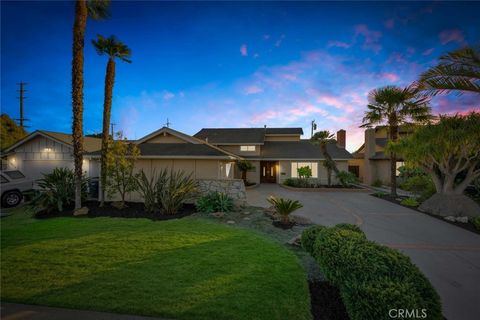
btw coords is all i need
(81, 212)
(295, 241)
(456, 205)
(231, 222)
(246, 212)
(301, 220)
(450, 218)
(462, 219)
(218, 214)
(246, 218)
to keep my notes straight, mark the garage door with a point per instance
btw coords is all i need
(34, 169)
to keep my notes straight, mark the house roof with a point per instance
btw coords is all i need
(284, 131)
(243, 135)
(232, 135)
(177, 150)
(302, 150)
(382, 156)
(90, 144)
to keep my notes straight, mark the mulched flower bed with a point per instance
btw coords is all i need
(467, 226)
(281, 225)
(326, 302)
(131, 210)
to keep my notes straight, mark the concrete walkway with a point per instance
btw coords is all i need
(448, 255)
(15, 311)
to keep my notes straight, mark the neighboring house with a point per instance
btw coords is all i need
(42, 151)
(276, 153)
(370, 162)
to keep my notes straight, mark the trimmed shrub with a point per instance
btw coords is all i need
(410, 202)
(349, 227)
(213, 202)
(309, 236)
(304, 172)
(380, 194)
(346, 178)
(372, 278)
(421, 185)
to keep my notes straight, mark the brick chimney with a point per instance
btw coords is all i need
(341, 138)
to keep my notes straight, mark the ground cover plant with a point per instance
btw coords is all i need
(214, 202)
(182, 269)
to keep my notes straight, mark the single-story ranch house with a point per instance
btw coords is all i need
(210, 154)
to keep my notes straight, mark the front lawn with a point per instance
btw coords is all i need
(182, 269)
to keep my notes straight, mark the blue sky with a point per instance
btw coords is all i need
(230, 64)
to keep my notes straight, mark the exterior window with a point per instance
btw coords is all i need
(226, 171)
(313, 166)
(247, 148)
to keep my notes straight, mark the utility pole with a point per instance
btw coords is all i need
(112, 125)
(22, 90)
(314, 127)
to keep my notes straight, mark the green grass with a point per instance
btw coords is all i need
(182, 269)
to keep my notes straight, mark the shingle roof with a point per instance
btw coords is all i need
(284, 131)
(90, 144)
(302, 149)
(242, 135)
(232, 135)
(177, 150)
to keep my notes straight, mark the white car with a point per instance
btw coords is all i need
(12, 185)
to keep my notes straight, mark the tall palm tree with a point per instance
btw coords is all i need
(394, 107)
(323, 138)
(113, 48)
(95, 9)
(457, 71)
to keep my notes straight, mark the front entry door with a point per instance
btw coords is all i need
(268, 172)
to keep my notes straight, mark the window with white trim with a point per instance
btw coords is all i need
(247, 148)
(312, 165)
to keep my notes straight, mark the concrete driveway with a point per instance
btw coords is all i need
(448, 255)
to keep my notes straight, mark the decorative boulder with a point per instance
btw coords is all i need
(456, 205)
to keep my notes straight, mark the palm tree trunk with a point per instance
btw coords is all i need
(107, 108)
(393, 162)
(77, 95)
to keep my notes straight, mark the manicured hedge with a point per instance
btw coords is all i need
(372, 278)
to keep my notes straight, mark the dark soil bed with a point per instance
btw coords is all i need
(131, 210)
(326, 303)
(467, 226)
(281, 225)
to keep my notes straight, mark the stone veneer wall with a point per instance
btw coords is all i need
(235, 188)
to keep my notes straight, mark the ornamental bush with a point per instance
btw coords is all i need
(372, 278)
(214, 202)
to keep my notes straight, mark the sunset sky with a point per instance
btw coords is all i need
(231, 64)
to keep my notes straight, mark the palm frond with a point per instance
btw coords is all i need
(112, 47)
(98, 9)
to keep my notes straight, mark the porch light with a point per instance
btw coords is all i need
(47, 149)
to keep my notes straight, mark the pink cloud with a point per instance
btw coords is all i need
(244, 50)
(288, 115)
(331, 101)
(339, 44)
(253, 89)
(428, 52)
(390, 23)
(397, 58)
(371, 37)
(390, 76)
(453, 35)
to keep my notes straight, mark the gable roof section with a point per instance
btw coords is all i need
(90, 144)
(165, 130)
(301, 150)
(232, 135)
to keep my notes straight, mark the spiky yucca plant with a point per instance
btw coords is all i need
(284, 207)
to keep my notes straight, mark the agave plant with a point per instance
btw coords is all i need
(284, 207)
(147, 187)
(174, 189)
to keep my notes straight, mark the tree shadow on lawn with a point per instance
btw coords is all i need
(220, 278)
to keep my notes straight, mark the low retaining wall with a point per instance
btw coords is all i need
(235, 188)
